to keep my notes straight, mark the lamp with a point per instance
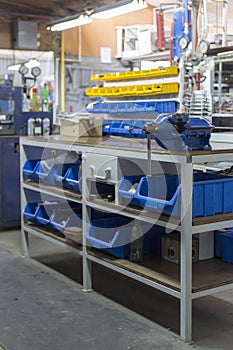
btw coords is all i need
(69, 22)
(119, 8)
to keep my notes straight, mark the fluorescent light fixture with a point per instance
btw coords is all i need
(29, 64)
(119, 8)
(69, 22)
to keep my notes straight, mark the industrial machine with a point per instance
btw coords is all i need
(13, 123)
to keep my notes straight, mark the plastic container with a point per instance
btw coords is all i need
(212, 194)
(218, 237)
(34, 99)
(227, 247)
(106, 235)
(133, 107)
(218, 243)
(127, 190)
(73, 179)
(44, 213)
(29, 169)
(30, 211)
(64, 218)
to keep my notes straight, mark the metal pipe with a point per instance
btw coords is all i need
(224, 23)
(80, 44)
(186, 20)
(206, 21)
(194, 27)
(62, 71)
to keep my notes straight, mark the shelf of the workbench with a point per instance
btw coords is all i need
(167, 274)
(53, 238)
(53, 191)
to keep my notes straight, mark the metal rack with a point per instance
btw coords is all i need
(185, 282)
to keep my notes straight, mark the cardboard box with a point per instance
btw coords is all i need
(202, 247)
(81, 126)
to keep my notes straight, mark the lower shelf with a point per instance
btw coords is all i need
(207, 274)
(50, 236)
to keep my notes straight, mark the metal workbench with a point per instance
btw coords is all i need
(186, 281)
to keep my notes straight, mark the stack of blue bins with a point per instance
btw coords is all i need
(212, 193)
(113, 236)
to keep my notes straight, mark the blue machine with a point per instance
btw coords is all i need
(10, 129)
(180, 133)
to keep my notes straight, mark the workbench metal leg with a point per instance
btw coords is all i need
(86, 214)
(25, 244)
(186, 253)
(87, 274)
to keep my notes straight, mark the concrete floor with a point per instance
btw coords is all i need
(42, 308)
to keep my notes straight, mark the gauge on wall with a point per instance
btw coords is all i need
(36, 71)
(183, 42)
(23, 69)
(203, 46)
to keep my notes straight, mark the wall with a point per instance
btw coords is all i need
(103, 33)
(47, 40)
(5, 34)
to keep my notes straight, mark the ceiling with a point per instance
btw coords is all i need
(44, 10)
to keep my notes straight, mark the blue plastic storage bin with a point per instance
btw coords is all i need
(29, 169)
(106, 126)
(137, 126)
(44, 213)
(218, 243)
(73, 179)
(63, 218)
(227, 247)
(60, 176)
(30, 211)
(132, 107)
(212, 194)
(125, 184)
(106, 235)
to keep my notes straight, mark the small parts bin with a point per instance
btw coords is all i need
(30, 211)
(73, 179)
(223, 244)
(64, 218)
(113, 236)
(29, 170)
(44, 214)
(212, 194)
